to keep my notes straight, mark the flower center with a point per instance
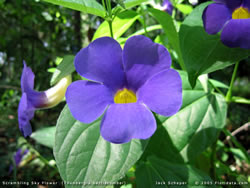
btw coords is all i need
(125, 96)
(241, 13)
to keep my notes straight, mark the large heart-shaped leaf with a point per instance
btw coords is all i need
(120, 25)
(82, 155)
(87, 6)
(203, 53)
(189, 132)
(156, 172)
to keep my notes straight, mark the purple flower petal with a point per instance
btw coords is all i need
(122, 122)
(236, 33)
(88, 100)
(163, 93)
(214, 17)
(101, 61)
(27, 78)
(25, 114)
(142, 59)
(19, 156)
(167, 6)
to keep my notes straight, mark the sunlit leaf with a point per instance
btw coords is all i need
(87, 6)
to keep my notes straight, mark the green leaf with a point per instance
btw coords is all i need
(133, 3)
(121, 24)
(82, 155)
(87, 6)
(65, 68)
(203, 53)
(217, 83)
(169, 28)
(156, 172)
(186, 134)
(45, 136)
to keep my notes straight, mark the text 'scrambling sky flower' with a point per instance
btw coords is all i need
(32, 100)
(124, 85)
(233, 18)
(167, 6)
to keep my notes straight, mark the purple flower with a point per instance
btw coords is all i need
(124, 85)
(32, 100)
(18, 158)
(167, 6)
(233, 18)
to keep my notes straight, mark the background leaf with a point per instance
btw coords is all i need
(120, 25)
(65, 68)
(132, 3)
(87, 6)
(45, 136)
(121, 3)
(82, 155)
(203, 53)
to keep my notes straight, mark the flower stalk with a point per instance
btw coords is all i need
(109, 16)
(229, 93)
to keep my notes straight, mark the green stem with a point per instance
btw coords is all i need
(229, 93)
(109, 19)
(213, 158)
(110, 28)
(217, 89)
(103, 4)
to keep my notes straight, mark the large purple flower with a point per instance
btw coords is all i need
(32, 100)
(167, 6)
(124, 85)
(233, 18)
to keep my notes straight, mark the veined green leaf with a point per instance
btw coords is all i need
(87, 6)
(82, 155)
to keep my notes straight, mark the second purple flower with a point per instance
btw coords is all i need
(125, 85)
(233, 18)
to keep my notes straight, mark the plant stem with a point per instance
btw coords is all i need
(110, 28)
(229, 93)
(109, 19)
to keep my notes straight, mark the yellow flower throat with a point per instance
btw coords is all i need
(241, 13)
(125, 96)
